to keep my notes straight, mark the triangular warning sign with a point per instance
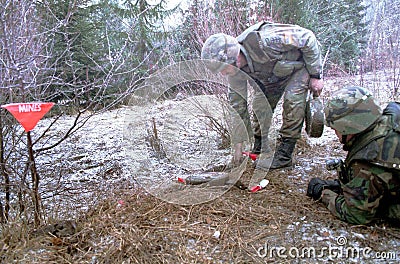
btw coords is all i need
(28, 114)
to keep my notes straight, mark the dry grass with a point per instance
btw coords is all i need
(132, 226)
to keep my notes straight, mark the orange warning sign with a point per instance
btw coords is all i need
(28, 114)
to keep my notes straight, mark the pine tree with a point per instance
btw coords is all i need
(75, 48)
(145, 29)
(343, 31)
(339, 25)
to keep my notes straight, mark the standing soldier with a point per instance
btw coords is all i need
(282, 60)
(369, 178)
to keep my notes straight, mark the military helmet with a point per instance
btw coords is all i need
(351, 110)
(220, 49)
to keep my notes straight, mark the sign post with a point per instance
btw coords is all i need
(28, 115)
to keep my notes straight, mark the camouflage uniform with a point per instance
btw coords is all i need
(370, 180)
(280, 58)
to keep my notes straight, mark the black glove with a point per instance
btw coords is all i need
(316, 186)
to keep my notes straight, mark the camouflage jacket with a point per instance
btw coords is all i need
(273, 52)
(269, 46)
(371, 186)
(276, 50)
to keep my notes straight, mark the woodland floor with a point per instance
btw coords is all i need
(118, 221)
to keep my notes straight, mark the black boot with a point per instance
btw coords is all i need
(260, 145)
(283, 154)
(257, 145)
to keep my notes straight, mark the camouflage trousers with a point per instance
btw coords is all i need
(295, 91)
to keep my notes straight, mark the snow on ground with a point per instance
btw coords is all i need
(116, 148)
(119, 148)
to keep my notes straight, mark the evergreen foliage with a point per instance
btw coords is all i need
(103, 46)
(76, 48)
(146, 30)
(339, 25)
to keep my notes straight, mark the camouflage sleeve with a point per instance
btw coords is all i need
(361, 196)
(240, 123)
(311, 50)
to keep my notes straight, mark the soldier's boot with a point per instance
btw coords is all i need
(283, 154)
(261, 145)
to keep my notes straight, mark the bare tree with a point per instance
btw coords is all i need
(30, 71)
(229, 16)
(383, 45)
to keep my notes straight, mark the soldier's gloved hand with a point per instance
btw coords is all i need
(316, 86)
(316, 186)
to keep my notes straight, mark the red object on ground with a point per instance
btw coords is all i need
(263, 183)
(28, 114)
(256, 188)
(181, 180)
(251, 155)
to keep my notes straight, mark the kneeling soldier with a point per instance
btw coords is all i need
(369, 178)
